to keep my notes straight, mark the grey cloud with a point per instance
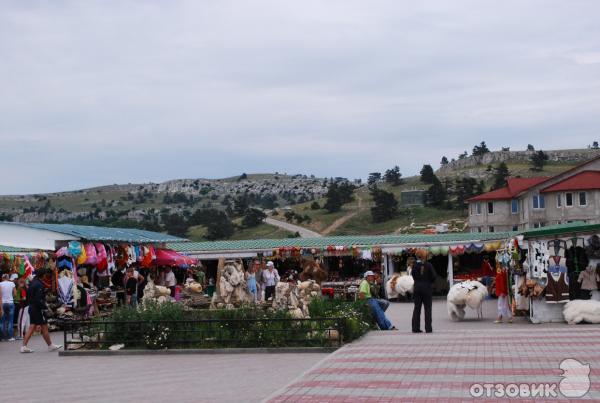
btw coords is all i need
(122, 91)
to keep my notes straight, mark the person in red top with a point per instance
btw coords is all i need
(502, 294)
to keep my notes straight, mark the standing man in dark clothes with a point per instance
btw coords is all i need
(424, 275)
(36, 298)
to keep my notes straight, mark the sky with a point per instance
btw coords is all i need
(102, 92)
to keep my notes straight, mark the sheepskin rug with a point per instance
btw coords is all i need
(399, 285)
(579, 310)
(467, 293)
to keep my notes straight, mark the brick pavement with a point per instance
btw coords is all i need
(405, 367)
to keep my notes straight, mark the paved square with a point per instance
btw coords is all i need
(441, 367)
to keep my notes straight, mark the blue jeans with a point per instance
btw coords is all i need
(383, 303)
(382, 321)
(8, 317)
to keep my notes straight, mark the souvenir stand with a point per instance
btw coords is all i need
(557, 257)
(83, 259)
(345, 258)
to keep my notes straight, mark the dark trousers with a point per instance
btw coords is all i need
(269, 292)
(422, 296)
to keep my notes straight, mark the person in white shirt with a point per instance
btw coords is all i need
(169, 280)
(270, 278)
(9, 292)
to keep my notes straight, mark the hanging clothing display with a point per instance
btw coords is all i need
(539, 259)
(65, 290)
(101, 258)
(557, 289)
(90, 254)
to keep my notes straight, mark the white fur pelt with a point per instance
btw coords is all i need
(467, 293)
(580, 310)
(399, 285)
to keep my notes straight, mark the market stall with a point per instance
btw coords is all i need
(85, 261)
(563, 264)
(345, 258)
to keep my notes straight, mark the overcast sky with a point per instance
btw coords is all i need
(106, 92)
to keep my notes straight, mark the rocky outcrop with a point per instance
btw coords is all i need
(469, 166)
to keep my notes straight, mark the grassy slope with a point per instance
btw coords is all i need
(197, 233)
(361, 222)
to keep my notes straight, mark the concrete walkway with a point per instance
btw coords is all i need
(46, 377)
(400, 366)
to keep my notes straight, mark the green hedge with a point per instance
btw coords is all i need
(169, 325)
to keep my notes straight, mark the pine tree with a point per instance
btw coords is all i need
(253, 218)
(538, 160)
(465, 188)
(427, 174)
(444, 160)
(481, 149)
(501, 175)
(334, 198)
(386, 205)
(435, 195)
(393, 176)
(373, 178)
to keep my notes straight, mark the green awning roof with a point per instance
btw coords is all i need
(359, 240)
(576, 227)
(11, 249)
(105, 234)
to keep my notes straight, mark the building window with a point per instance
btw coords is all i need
(515, 227)
(490, 207)
(583, 198)
(539, 224)
(559, 200)
(514, 206)
(478, 208)
(478, 229)
(539, 202)
(569, 199)
(491, 228)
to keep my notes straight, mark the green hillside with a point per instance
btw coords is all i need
(147, 205)
(355, 217)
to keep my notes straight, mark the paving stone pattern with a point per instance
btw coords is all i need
(441, 367)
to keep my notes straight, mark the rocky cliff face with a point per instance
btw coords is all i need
(139, 201)
(469, 164)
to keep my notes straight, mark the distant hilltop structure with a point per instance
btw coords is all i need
(496, 157)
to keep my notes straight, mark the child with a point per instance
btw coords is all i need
(131, 287)
(502, 294)
(21, 300)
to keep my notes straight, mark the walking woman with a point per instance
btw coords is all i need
(502, 294)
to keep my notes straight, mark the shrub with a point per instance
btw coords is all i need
(357, 315)
(169, 325)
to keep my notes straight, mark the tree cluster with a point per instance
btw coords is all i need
(291, 216)
(480, 149)
(393, 176)
(538, 160)
(386, 205)
(337, 195)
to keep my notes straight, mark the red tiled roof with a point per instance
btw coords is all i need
(514, 187)
(586, 180)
